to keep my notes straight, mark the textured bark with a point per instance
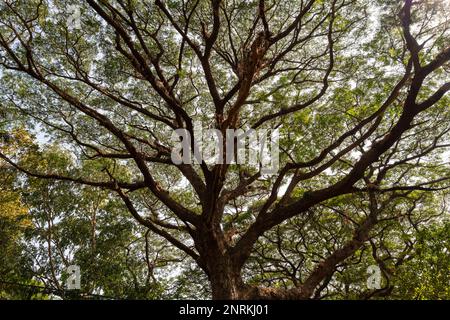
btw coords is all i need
(226, 283)
(224, 277)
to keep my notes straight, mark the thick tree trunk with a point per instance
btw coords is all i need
(217, 262)
(226, 283)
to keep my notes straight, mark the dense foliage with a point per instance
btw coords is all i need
(91, 91)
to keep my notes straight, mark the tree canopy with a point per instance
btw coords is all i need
(357, 89)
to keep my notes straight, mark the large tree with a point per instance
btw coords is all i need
(356, 88)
